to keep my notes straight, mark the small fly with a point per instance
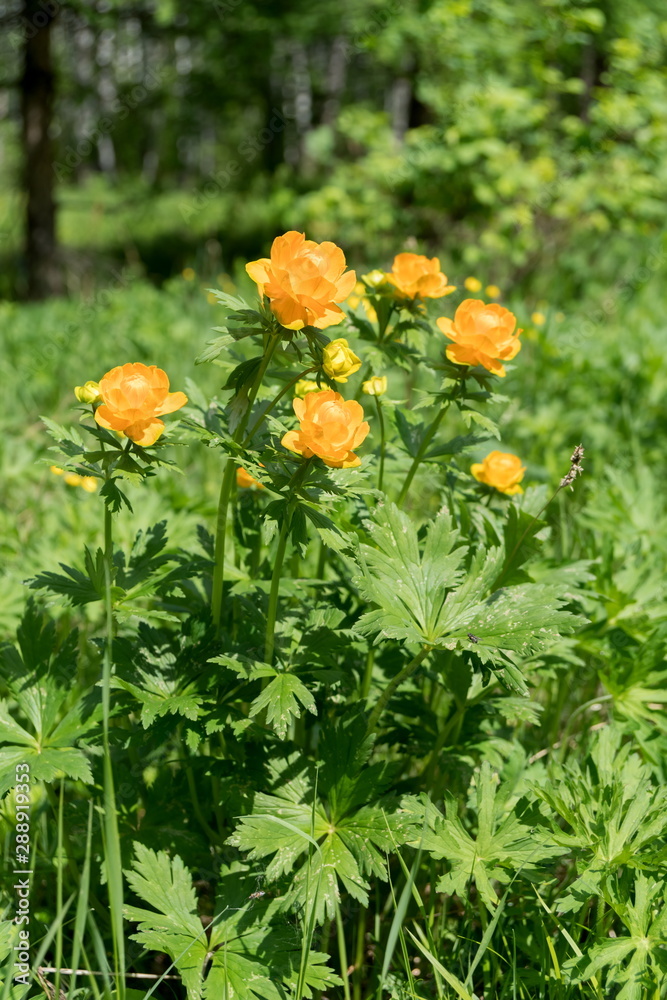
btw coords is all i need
(256, 895)
(473, 638)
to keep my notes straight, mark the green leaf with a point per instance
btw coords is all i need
(279, 698)
(45, 764)
(437, 594)
(502, 846)
(251, 953)
(332, 841)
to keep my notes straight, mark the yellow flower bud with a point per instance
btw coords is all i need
(375, 386)
(89, 484)
(538, 318)
(188, 273)
(493, 292)
(72, 479)
(374, 278)
(472, 284)
(56, 470)
(340, 361)
(304, 386)
(88, 393)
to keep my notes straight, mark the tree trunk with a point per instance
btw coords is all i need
(37, 93)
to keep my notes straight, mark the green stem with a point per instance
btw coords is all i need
(382, 441)
(368, 673)
(112, 838)
(321, 562)
(514, 551)
(395, 683)
(274, 593)
(416, 462)
(59, 887)
(358, 973)
(294, 484)
(226, 490)
(220, 539)
(342, 952)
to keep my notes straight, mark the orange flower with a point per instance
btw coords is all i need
(482, 335)
(330, 427)
(303, 281)
(501, 470)
(133, 397)
(245, 480)
(415, 275)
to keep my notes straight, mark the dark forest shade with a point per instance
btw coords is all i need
(37, 95)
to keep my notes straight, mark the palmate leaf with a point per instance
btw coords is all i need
(54, 723)
(637, 961)
(281, 699)
(503, 845)
(252, 952)
(334, 840)
(437, 595)
(615, 816)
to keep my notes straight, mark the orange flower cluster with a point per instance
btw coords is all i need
(500, 470)
(330, 427)
(413, 275)
(482, 334)
(133, 397)
(304, 281)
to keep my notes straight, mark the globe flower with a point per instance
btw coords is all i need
(413, 275)
(482, 334)
(304, 386)
(89, 392)
(89, 484)
(245, 480)
(472, 284)
(329, 427)
(492, 291)
(133, 397)
(339, 360)
(303, 281)
(375, 386)
(500, 470)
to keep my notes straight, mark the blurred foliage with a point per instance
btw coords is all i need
(523, 139)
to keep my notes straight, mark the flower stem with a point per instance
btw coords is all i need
(227, 486)
(274, 592)
(111, 836)
(295, 482)
(382, 441)
(416, 462)
(395, 683)
(368, 673)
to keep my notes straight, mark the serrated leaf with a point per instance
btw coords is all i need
(424, 595)
(281, 699)
(501, 847)
(246, 956)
